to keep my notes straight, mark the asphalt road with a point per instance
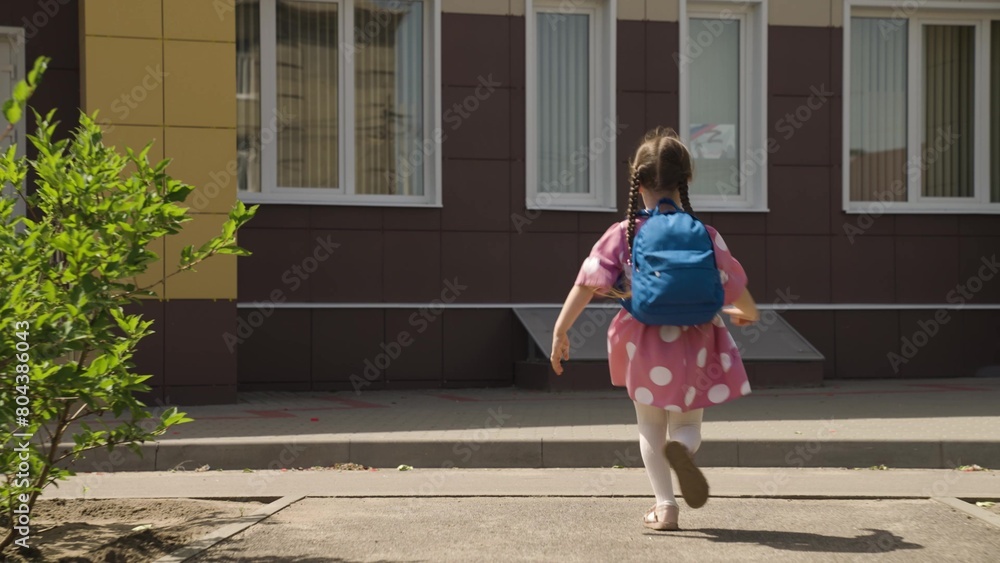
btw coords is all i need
(323, 530)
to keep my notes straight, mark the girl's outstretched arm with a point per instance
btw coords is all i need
(576, 301)
(744, 310)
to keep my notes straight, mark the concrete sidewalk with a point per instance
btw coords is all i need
(901, 424)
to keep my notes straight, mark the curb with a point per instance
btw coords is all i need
(970, 509)
(274, 453)
(215, 537)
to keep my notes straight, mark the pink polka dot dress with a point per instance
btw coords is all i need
(677, 368)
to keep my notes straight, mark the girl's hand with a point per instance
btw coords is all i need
(560, 351)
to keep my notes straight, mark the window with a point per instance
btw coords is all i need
(723, 107)
(338, 101)
(922, 133)
(571, 125)
(11, 71)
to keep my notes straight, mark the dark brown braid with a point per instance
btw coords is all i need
(633, 207)
(686, 199)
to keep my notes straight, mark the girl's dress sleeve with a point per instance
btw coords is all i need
(734, 278)
(605, 264)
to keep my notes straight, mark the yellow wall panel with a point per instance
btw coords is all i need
(203, 20)
(123, 18)
(124, 79)
(811, 13)
(135, 138)
(154, 273)
(201, 84)
(206, 159)
(214, 278)
(663, 10)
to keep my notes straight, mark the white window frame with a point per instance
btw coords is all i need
(18, 70)
(603, 39)
(344, 193)
(975, 14)
(752, 15)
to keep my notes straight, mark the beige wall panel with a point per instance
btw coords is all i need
(811, 13)
(206, 159)
(201, 20)
(201, 84)
(490, 7)
(123, 18)
(214, 278)
(837, 13)
(663, 10)
(517, 7)
(124, 80)
(631, 9)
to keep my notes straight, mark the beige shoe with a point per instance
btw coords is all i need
(662, 517)
(694, 487)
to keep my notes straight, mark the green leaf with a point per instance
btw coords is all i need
(12, 112)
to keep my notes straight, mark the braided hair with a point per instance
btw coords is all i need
(662, 164)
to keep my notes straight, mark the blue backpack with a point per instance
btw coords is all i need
(674, 277)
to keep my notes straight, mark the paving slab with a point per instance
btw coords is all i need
(603, 529)
(900, 423)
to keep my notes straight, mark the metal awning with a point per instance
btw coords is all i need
(771, 339)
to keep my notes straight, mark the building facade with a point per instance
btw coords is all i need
(425, 166)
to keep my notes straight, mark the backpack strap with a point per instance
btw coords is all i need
(666, 200)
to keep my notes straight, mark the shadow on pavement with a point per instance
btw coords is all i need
(878, 541)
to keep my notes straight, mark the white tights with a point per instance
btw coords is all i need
(654, 424)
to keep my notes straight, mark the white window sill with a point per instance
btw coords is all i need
(340, 200)
(584, 208)
(879, 208)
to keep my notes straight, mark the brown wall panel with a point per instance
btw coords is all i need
(740, 223)
(525, 220)
(926, 268)
(802, 133)
(361, 218)
(863, 272)
(412, 263)
(980, 339)
(543, 266)
(799, 200)
(866, 338)
(354, 271)
(979, 266)
(931, 344)
(269, 268)
(474, 47)
(275, 347)
(662, 39)
(477, 346)
(799, 265)
(751, 252)
(475, 127)
(195, 348)
(476, 195)
(348, 342)
(419, 333)
(631, 56)
(798, 60)
(480, 261)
